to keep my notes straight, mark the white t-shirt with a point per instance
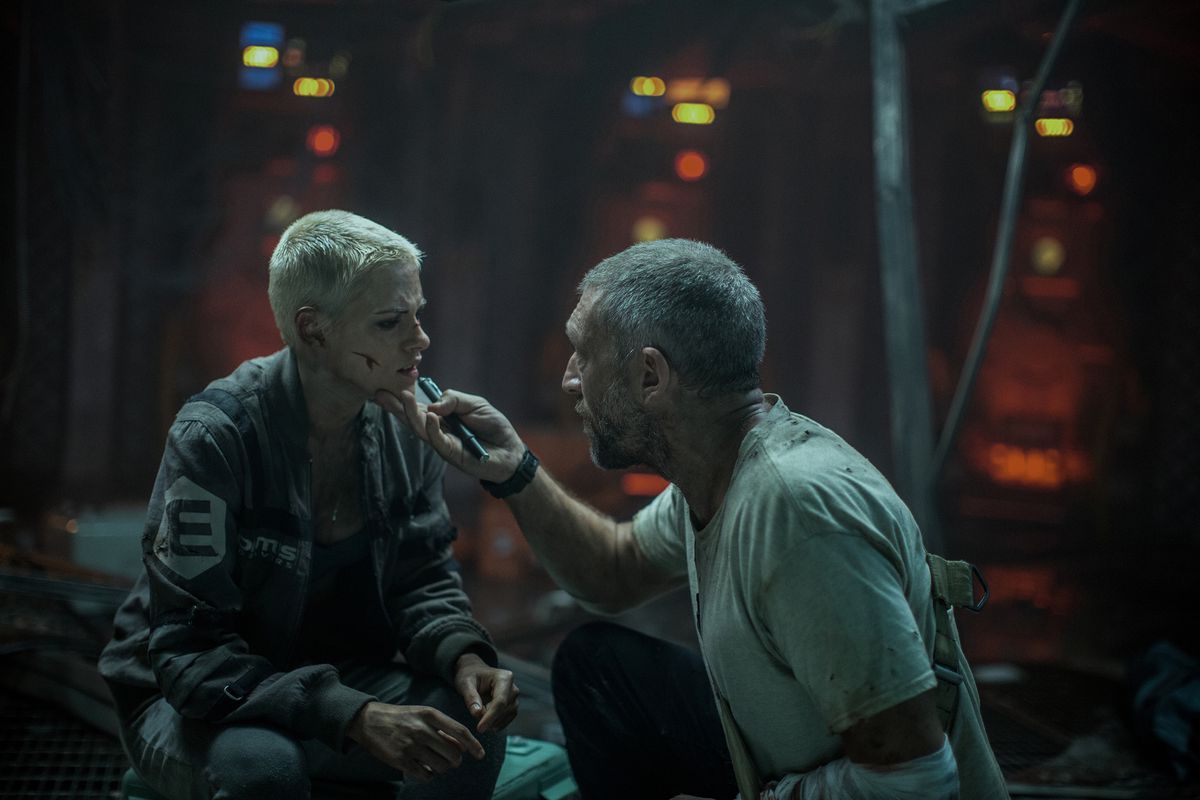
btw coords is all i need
(813, 599)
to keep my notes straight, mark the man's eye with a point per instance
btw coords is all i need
(388, 324)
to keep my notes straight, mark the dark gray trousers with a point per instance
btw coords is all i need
(188, 759)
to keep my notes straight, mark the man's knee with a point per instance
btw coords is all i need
(257, 762)
(586, 652)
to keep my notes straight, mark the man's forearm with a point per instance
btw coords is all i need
(592, 556)
(930, 777)
(576, 544)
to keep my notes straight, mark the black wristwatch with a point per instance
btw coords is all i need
(519, 480)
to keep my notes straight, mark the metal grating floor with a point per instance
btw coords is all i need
(49, 755)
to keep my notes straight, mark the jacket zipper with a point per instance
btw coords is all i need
(302, 581)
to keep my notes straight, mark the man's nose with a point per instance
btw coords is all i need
(570, 379)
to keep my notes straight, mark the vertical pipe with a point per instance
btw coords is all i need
(904, 332)
(1006, 231)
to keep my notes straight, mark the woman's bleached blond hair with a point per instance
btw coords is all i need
(322, 260)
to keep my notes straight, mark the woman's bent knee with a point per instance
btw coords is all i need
(254, 762)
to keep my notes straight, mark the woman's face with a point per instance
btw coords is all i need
(377, 342)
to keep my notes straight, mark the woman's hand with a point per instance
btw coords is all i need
(490, 693)
(492, 428)
(418, 740)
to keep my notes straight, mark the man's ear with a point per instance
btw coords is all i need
(308, 325)
(657, 377)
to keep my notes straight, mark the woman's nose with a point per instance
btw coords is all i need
(419, 342)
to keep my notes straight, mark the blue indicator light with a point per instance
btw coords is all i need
(269, 34)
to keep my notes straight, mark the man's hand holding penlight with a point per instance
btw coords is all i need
(489, 425)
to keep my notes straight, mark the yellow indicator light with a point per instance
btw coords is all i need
(648, 87)
(648, 229)
(259, 56)
(1051, 126)
(693, 113)
(998, 101)
(313, 87)
(1047, 255)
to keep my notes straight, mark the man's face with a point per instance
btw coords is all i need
(377, 342)
(617, 428)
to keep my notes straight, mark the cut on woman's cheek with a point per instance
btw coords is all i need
(371, 362)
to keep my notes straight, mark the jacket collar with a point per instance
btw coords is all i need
(285, 402)
(284, 399)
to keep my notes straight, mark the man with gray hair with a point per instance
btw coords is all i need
(825, 670)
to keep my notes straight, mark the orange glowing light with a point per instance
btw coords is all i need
(691, 165)
(313, 87)
(998, 101)
(260, 56)
(648, 86)
(323, 140)
(643, 484)
(1081, 178)
(1054, 126)
(693, 113)
(1034, 467)
(714, 91)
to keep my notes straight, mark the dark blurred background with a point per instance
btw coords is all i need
(150, 167)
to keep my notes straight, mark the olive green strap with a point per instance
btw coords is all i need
(952, 586)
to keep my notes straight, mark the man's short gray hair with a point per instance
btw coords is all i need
(322, 259)
(691, 301)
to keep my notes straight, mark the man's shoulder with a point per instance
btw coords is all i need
(798, 456)
(802, 475)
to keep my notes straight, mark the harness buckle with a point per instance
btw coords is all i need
(978, 576)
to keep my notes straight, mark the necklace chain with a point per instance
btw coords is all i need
(341, 493)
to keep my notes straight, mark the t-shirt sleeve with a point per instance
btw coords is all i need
(835, 610)
(658, 532)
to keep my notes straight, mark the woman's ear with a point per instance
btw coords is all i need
(308, 325)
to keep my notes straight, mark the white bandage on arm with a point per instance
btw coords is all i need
(931, 777)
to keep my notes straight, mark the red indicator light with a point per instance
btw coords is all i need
(1081, 178)
(690, 165)
(323, 140)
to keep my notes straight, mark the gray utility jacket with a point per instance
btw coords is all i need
(213, 624)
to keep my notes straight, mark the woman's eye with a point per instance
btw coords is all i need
(388, 324)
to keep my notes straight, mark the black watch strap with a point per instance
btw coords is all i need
(519, 480)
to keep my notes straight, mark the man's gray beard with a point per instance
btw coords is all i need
(621, 435)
